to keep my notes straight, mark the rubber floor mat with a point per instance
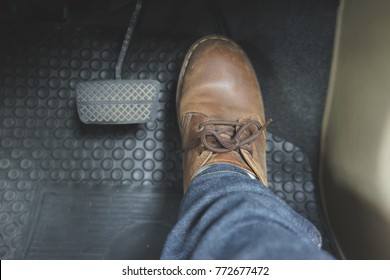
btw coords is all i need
(97, 222)
(45, 146)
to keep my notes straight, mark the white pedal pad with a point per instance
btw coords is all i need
(117, 101)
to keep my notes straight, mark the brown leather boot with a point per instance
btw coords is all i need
(220, 109)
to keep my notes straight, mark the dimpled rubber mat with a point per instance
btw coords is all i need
(44, 147)
(101, 222)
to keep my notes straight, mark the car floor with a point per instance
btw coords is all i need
(75, 191)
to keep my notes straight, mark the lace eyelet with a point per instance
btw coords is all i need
(199, 128)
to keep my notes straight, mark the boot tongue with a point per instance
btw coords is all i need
(225, 131)
(228, 132)
(233, 158)
(231, 143)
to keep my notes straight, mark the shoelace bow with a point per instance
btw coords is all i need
(212, 140)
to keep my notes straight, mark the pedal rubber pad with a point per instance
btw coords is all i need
(117, 101)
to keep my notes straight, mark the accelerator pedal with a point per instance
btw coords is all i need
(118, 101)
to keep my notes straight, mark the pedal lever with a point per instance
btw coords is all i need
(118, 101)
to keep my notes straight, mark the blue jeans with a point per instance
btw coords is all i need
(225, 214)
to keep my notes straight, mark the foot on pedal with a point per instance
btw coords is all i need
(117, 101)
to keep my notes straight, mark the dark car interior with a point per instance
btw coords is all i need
(76, 190)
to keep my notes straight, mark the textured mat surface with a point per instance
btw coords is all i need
(44, 145)
(80, 222)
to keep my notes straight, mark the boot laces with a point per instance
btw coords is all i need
(224, 137)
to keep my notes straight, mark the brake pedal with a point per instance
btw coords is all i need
(118, 101)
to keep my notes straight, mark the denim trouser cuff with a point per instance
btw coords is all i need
(226, 214)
